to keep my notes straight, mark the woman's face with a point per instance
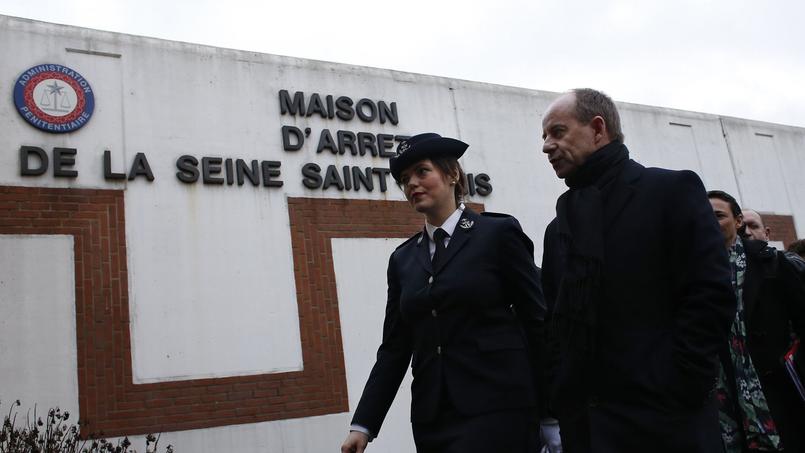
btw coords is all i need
(428, 189)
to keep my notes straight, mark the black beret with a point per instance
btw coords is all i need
(424, 146)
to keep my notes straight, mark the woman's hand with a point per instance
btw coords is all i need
(355, 443)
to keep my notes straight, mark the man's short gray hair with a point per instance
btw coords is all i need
(591, 103)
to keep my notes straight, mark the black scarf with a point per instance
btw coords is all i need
(580, 223)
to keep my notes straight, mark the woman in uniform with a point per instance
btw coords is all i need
(465, 309)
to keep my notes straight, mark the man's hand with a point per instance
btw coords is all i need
(356, 442)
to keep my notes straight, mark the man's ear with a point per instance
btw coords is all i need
(600, 128)
(740, 220)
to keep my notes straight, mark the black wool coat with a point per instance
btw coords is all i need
(472, 327)
(663, 314)
(774, 307)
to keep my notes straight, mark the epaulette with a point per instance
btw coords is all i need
(500, 215)
(494, 214)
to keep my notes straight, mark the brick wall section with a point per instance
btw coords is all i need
(95, 219)
(782, 227)
(109, 401)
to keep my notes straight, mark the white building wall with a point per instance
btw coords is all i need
(211, 284)
(768, 161)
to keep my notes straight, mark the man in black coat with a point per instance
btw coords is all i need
(754, 228)
(761, 408)
(637, 284)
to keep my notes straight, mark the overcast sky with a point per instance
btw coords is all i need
(729, 57)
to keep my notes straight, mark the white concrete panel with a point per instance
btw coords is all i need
(788, 145)
(212, 290)
(360, 269)
(37, 320)
(791, 152)
(679, 140)
(758, 166)
(657, 141)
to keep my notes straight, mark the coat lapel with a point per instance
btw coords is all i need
(461, 235)
(750, 289)
(622, 191)
(423, 251)
(753, 276)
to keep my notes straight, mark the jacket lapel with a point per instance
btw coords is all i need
(622, 191)
(750, 289)
(461, 235)
(753, 276)
(423, 251)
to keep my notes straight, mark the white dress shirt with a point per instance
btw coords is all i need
(449, 226)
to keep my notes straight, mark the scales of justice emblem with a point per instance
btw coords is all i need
(54, 98)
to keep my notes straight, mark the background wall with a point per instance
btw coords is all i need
(221, 329)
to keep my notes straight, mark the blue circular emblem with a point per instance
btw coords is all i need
(54, 98)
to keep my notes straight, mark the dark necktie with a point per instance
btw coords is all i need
(438, 237)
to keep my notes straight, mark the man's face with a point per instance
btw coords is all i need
(754, 226)
(729, 223)
(568, 143)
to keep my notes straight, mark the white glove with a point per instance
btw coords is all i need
(549, 431)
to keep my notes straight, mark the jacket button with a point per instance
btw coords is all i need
(438, 349)
(430, 279)
(433, 312)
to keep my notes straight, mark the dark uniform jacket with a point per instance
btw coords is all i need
(663, 314)
(774, 307)
(472, 327)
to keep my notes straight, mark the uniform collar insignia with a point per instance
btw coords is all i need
(466, 224)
